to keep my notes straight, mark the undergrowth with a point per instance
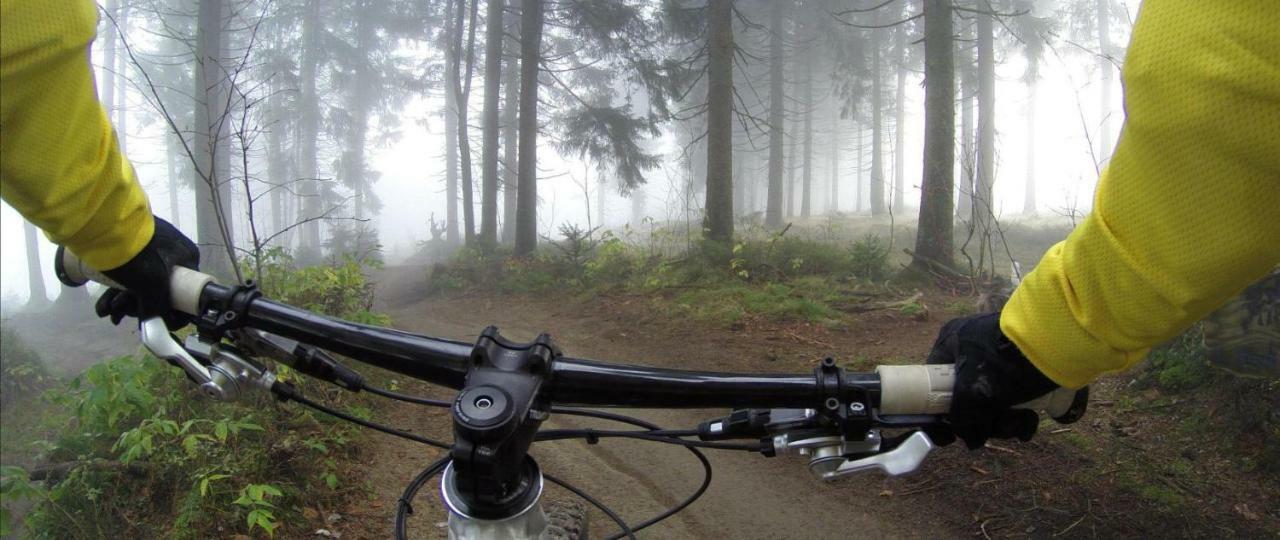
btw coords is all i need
(136, 451)
(774, 276)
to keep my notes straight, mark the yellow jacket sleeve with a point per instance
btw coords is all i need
(60, 163)
(1188, 212)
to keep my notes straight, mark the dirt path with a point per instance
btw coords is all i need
(1085, 481)
(750, 497)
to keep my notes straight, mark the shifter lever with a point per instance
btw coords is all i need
(155, 336)
(903, 459)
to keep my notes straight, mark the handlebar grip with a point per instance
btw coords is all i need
(185, 284)
(927, 388)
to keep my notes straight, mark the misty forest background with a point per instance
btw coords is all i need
(254, 124)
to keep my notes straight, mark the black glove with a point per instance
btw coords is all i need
(992, 375)
(146, 276)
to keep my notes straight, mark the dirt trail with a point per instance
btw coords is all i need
(750, 497)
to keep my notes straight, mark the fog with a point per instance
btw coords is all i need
(405, 136)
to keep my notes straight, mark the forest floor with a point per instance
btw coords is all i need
(1141, 464)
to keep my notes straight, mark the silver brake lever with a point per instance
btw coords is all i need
(905, 458)
(156, 338)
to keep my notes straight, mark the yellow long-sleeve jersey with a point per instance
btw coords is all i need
(1188, 212)
(60, 163)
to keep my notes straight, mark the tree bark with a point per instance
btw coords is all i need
(527, 195)
(964, 210)
(899, 122)
(877, 132)
(806, 188)
(171, 162)
(719, 206)
(1107, 69)
(489, 146)
(39, 297)
(308, 133)
(462, 91)
(833, 204)
(451, 127)
(983, 203)
(773, 212)
(789, 197)
(858, 153)
(934, 232)
(511, 101)
(1029, 195)
(211, 143)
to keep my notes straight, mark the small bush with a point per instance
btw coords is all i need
(869, 258)
(22, 371)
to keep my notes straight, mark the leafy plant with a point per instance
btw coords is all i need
(261, 511)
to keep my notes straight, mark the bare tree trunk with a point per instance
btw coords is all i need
(774, 211)
(462, 92)
(489, 147)
(719, 206)
(122, 83)
(308, 133)
(899, 123)
(527, 196)
(511, 101)
(277, 163)
(1107, 69)
(602, 186)
(857, 189)
(109, 43)
(1029, 196)
(789, 199)
(39, 297)
(833, 204)
(877, 133)
(210, 141)
(935, 231)
(806, 187)
(171, 163)
(983, 203)
(965, 207)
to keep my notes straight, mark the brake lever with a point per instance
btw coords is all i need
(156, 338)
(902, 459)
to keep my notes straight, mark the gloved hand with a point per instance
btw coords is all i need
(146, 276)
(992, 375)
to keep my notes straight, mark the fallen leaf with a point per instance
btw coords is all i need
(1245, 512)
(310, 513)
(886, 493)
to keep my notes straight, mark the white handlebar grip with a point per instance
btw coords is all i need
(926, 389)
(185, 284)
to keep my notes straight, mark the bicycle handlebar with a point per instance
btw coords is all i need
(895, 390)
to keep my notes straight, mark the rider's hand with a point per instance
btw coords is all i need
(146, 276)
(992, 375)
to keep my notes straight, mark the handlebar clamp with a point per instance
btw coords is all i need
(495, 418)
(227, 312)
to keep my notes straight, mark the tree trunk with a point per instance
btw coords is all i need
(899, 122)
(451, 130)
(308, 133)
(122, 82)
(171, 163)
(806, 188)
(602, 187)
(719, 206)
(1029, 195)
(527, 196)
(277, 163)
(934, 233)
(773, 213)
(858, 153)
(39, 297)
(210, 143)
(462, 91)
(1107, 69)
(489, 146)
(833, 204)
(877, 133)
(355, 170)
(967, 79)
(110, 43)
(511, 100)
(789, 198)
(983, 203)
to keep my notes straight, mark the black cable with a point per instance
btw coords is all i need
(706, 465)
(294, 395)
(404, 506)
(407, 398)
(561, 434)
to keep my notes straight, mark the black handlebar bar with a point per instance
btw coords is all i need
(572, 382)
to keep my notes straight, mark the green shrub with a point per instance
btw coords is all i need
(21, 369)
(869, 258)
